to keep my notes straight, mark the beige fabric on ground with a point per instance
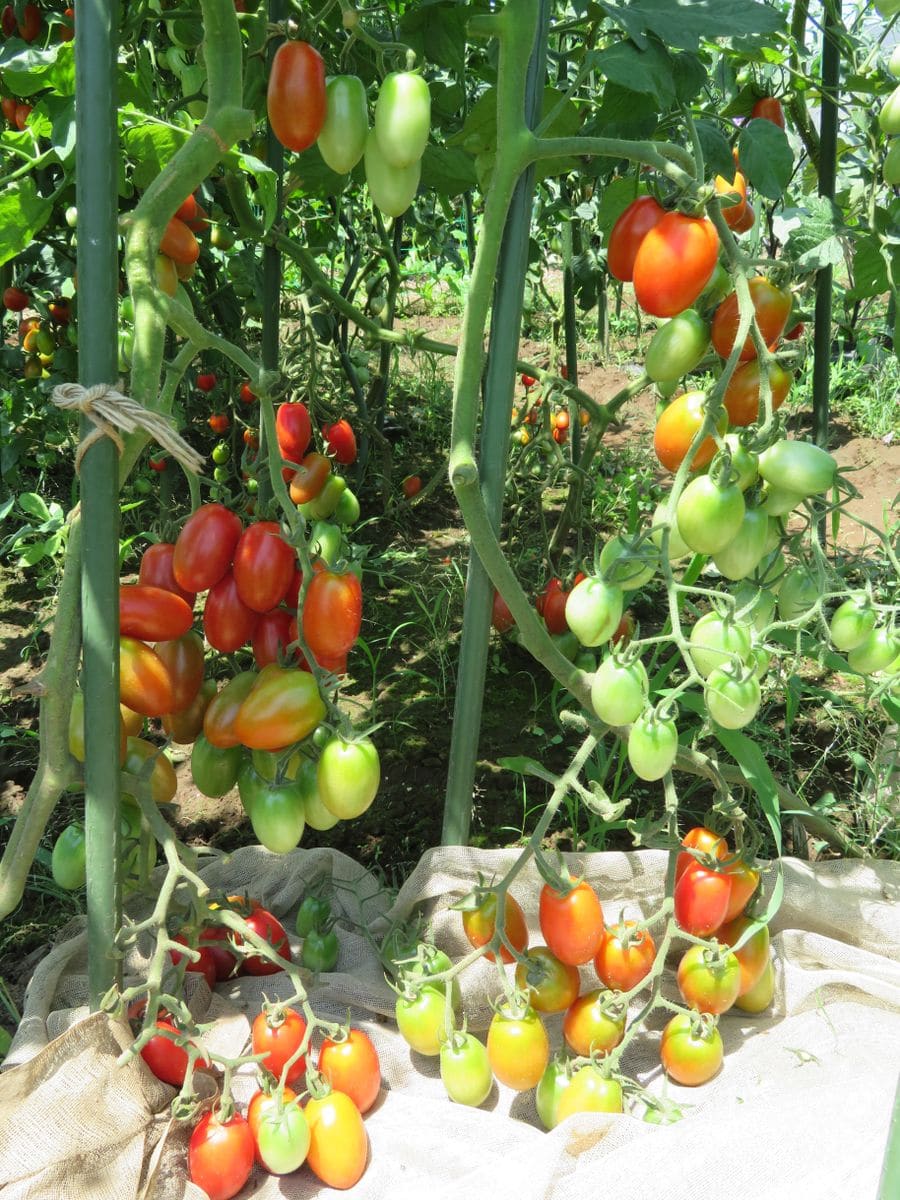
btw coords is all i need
(800, 1108)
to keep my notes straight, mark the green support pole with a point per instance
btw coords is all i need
(831, 71)
(570, 327)
(96, 166)
(503, 352)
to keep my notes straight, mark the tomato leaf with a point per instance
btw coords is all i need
(814, 233)
(686, 25)
(527, 766)
(716, 150)
(625, 114)
(752, 762)
(648, 70)
(448, 170)
(436, 30)
(766, 157)
(23, 213)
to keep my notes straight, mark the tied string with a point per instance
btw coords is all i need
(109, 411)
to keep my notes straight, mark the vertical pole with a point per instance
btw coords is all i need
(571, 332)
(271, 298)
(96, 167)
(503, 352)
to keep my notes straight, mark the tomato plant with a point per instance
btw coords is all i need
(320, 950)
(402, 118)
(709, 514)
(282, 1138)
(652, 745)
(340, 440)
(310, 477)
(594, 1023)
(228, 623)
(261, 922)
(348, 775)
(593, 610)
(741, 397)
(392, 189)
(550, 1088)
(619, 691)
(145, 684)
(420, 1018)
(677, 347)
(753, 956)
(166, 1059)
(332, 613)
(283, 706)
(293, 430)
(342, 138)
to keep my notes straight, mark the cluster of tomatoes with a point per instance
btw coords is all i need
(179, 248)
(319, 492)
(40, 336)
(734, 968)
(531, 413)
(306, 109)
(889, 123)
(29, 27)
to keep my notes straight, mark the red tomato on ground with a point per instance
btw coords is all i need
(701, 900)
(620, 962)
(279, 1034)
(674, 263)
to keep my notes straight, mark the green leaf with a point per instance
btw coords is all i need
(34, 505)
(624, 113)
(151, 147)
(616, 197)
(813, 232)
(870, 267)
(691, 76)
(649, 70)
(32, 554)
(766, 157)
(448, 170)
(62, 115)
(748, 756)
(24, 71)
(527, 766)
(716, 150)
(436, 30)
(23, 214)
(685, 25)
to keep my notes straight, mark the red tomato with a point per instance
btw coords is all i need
(14, 299)
(677, 427)
(263, 566)
(205, 965)
(270, 929)
(340, 440)
(165, 1059)
(351, 1066)
(205, 547)
(23, 112)
(247, 394)
(206, 381)
(551, 604)
(158, 465)
(30, 24)
(701, 900)
(702, 839)
(595, 1023)
(214, 938)
(674, 263)
(480, 924)
(744, 882)
(411, 485)
(227, 622)
(219, 422)
(794, 333)
(8, 27)
(769, 109)
(293, 430)
(184, 726)
(772, 307)
(220, 1155)
(179, 242)
(332, 613)
(145, 685)
(339, 1145)
(501, 618)
(741, 397)
(572, 922)
(550, 985)
(270, 637)
(620, 962)
(152, 613)
(283, 707)
(309, 478)
(279, 1034)
(183, 659)
(625, 238)
(746, 220)
(528, 382)
(296, 95)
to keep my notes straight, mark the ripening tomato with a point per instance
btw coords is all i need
(678, 425)
(703, 840)
(768, 108)
(626, 236)
(260, 1104)
(708, 979)
(220, 1155)
(624, 957)
(741, 397)
(677, 347)
(746, 221)
(332, 613)
(163, 781)
(518, 1047)
(691, 1049)
(572, 922)
(218, 723)
(351, 1065)
(295, 99)
(347, 776)
(263, 566)
(30, 24)
(282, 707)
(279, 1034)
(753, 957)
(701, 900)
(340, 440)
(674, 263)
(420, 1018)
(183, 659)
(205, 547)
(145, 685)
(550, 985)
(759, 997)
(590, 1091)
(227, 622)
(744, 882)
(309, 478)
(592, 611)
(736, 193)
(180, 244)
(184, 726)
(772, 307)
(411, 486)
(293, 430)
(282, 1138)
(595, 1023)
(480, 924)
(339, 1145)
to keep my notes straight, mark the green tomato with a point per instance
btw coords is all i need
(402, 119)
(876, 653)
(67, 862)
(420, 1019)
(677, 347)
(716, 640)
(626, 567)
(852, 623)
(889, 117)
(314, 913)
(799, 467)
(342, 138)
(214, 771)
(348, 776)
(221, 453)
(778, 503)
(322, 506)
(392, 189)
(594, 610)
(590, 1091)
(318, 817)
(347, 510)
(652, 746)
(567, 644)
(797, 594)
(891, 168)
(894, 61)
(732, 699)
(326, 542)
(619, 692)
(720, 284)
(709, 516)
(320, 950)
(554, 1081)
(466, 1070)
(282, 1139)
(72, 216)
(276, 810)
(126, 309)
(678, 548)
(221, 474)
(746, 549)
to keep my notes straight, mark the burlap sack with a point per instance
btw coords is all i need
(800, 1109)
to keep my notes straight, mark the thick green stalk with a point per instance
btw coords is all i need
(519, 102)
